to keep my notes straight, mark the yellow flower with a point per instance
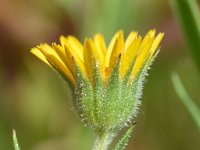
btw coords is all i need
(133, 50)
(106, 81)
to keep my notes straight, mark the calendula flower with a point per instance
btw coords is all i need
(106, 81)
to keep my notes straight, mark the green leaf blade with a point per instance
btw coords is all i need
(123, 142)
(185, 98)
(15, 141)
(187, 12)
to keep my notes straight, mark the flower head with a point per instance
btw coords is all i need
(94, 52)
(106, 80)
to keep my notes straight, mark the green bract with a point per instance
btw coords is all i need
(107, 108)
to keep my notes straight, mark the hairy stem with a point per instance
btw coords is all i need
(102, 141)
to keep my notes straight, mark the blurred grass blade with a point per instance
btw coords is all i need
(15, 142)
(123, 142)
(187, 11)
(122, 15)
(185, 98)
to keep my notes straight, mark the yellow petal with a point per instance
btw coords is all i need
(60, 67)
(150, 34)
(129, 56)
(75, 45)
(70, 53)
(100, 52)
(106, 74)
(48, 50)
(59, 51)
(89, 58)
(115, 48)
(155, 44)
(100, 46)
(130, 38)
(67, 60)
(39, 54)
(110, 47)
(142, 57)
(55, 61)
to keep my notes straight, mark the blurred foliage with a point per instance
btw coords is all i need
(35, 102)
(106, 16)
(185, 98)
(188, 13)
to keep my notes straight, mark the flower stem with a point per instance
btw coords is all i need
(102, 141)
